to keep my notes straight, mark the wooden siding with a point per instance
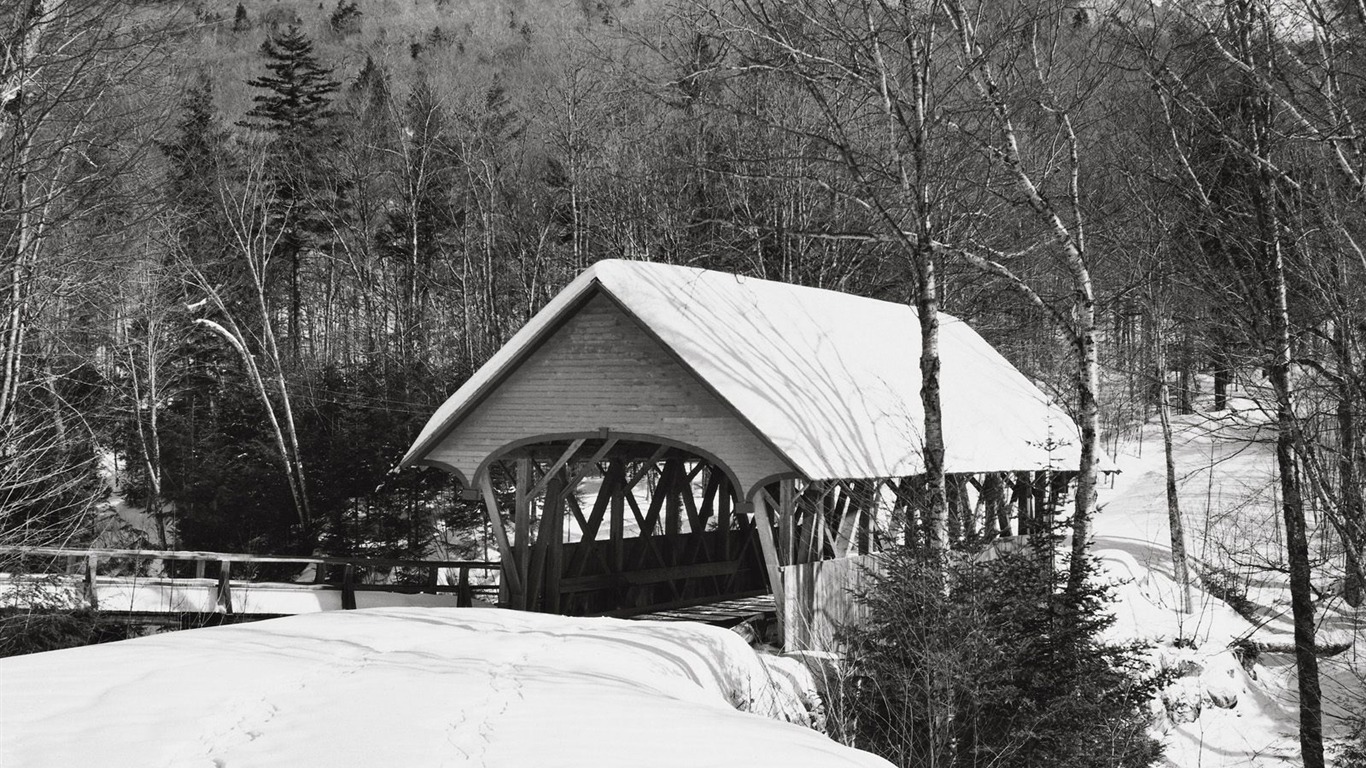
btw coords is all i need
(819, 599)
(600, 370)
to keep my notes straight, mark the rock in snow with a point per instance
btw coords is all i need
(416, 687)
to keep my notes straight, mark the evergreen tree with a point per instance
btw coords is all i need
(240, 22)
(295, 113)
(994, 663)
(196, 158)
(297, 101)
(345, 18)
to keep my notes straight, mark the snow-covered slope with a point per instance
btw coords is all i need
(1227, 709)
(412, 687)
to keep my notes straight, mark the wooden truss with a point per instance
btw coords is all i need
(617, 527)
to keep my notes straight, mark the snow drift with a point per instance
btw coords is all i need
(413, 687)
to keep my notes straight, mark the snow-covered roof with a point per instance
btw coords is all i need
(830, 380)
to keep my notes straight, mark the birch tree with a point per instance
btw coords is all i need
(250, 331)
(866, 70)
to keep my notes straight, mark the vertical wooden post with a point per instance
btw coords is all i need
(723, 514)
(866, 507)
(1023, 495)
(955, 509)
(349, 588)
(199, 568)
(617, 532)
(845, 514)
(464, 596)
(1043, 522)
(787, 522)
(92, 595)
(522, 523)
(763, 522)
(556, 510)
(671, 484)
(539, 579)
(225, 586)
(968, 512)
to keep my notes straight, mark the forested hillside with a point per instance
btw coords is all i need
(247, 249)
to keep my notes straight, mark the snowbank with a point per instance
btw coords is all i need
(412, 687)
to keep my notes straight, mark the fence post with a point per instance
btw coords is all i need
(91, 588)
(224, 587)
(464, 596)
(348, 588)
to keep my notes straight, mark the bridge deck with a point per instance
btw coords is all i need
(725, 613)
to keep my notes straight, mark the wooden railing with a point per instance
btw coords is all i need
(87, 563)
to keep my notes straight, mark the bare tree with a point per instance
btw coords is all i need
(250, 331)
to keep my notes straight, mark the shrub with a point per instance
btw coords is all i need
(23, 632)
(963, 663)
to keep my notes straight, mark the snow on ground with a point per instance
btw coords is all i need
(413, 687)
(1222, 712)
(119, 524)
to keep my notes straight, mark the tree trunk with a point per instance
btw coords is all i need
(1178, 530)
(1222, 376)
(1353, 509)
(1292, 502)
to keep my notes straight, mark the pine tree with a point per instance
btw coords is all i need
(195, 158)
(345, 18)
(240, 22)
(298, 98)
(993, 663)
(295, 113)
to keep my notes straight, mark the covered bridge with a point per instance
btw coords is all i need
(659, 436)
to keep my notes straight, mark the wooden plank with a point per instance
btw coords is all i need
(649, 576)
(648, 611)
(500, 534)
(820, 599)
